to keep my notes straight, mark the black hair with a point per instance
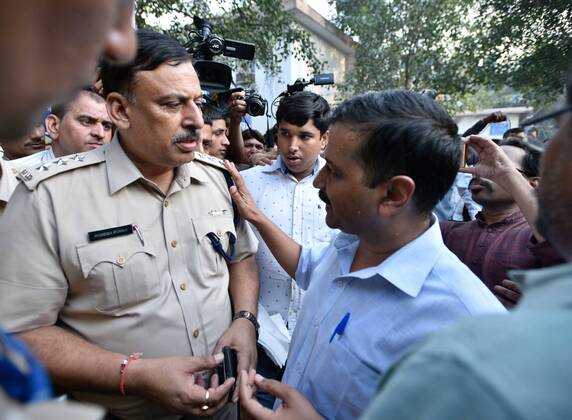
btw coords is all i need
(253, 134)
(405, 133)
(301, 107)
(212, 112)
(61, 109)
(153, 49)
(532, 157)
(512, 132)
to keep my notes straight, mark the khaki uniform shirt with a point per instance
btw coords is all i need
(8, 183)
(160, 289)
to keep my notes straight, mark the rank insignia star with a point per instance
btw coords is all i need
(43, 167)
(78, 158)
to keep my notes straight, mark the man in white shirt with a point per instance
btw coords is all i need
(284, 191)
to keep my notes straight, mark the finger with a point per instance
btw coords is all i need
(276, 388)
(506, 293)
(481, 143)
(506, 303)
(243, 365)
(248, 402)
(239, 94)
(214, 380)
(199, 363)
(246, 389)
(511, 285)
(220, 393)
(235, 175)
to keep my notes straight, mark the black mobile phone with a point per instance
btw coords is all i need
(229, 365)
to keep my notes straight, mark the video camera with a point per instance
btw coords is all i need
(300, 84)
(216, 77)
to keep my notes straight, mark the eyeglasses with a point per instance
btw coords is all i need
(548, 116)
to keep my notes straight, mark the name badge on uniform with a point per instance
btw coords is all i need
(110, 233)
(218, 212)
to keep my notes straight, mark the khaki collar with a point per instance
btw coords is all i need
(8, 181)
(121, 171)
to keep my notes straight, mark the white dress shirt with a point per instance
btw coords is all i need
(33, 161)
(421, 288)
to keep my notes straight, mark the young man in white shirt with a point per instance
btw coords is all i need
(284, 191)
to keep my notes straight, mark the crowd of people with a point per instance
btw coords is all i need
(362, 261)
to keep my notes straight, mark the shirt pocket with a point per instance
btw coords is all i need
(122, 271)
(341, 384)
(212, 263)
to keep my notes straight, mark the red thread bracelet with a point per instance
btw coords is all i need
(123, 370)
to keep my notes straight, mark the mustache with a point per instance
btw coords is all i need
(324, 197)
(191, 134)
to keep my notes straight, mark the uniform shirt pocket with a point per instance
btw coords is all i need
(122, 271)
(212, 263)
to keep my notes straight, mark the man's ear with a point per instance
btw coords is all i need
(118, 108)
(52, 123)
(534, 181)
(324, 140)
(396, 195)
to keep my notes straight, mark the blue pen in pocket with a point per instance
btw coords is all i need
(340, 328)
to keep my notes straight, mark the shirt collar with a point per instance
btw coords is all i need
(196, 172)
(513, 218)
(545, 288)
(8, 181)
(121, 171)
(408, 267)
(279, 164)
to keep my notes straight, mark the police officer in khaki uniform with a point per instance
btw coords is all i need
(134, 248)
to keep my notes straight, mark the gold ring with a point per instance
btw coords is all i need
(205, 407)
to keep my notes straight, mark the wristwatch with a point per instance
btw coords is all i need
(250, 316)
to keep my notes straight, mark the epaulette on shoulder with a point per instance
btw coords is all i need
(219, 164)
(210, 160)
(32, 176)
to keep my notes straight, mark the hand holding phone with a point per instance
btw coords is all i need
(228, 367)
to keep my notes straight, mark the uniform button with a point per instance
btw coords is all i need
(174, 244)
(183, 286)
(196, 333)
(165, 203)
(120, 260)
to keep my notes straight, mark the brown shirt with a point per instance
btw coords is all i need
(159, 288)
(490, 251)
